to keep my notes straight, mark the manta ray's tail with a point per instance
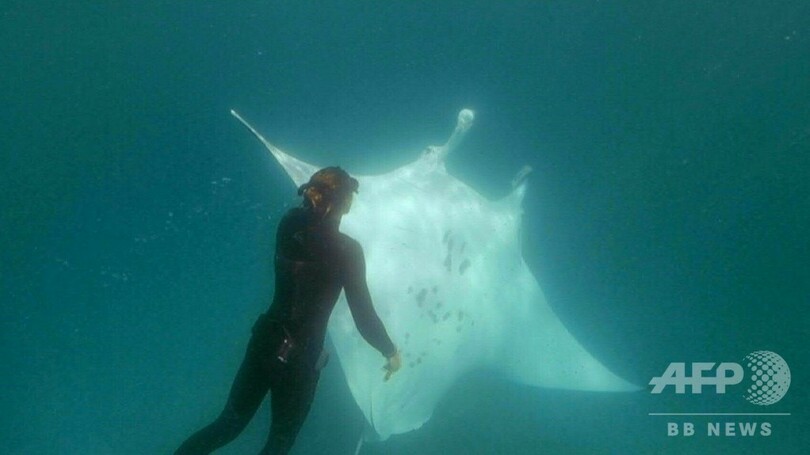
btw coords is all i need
(368, 434)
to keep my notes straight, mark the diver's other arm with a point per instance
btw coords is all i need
(365, 318)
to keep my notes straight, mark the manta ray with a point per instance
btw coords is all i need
(448, 280)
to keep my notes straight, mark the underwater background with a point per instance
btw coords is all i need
(667, 218)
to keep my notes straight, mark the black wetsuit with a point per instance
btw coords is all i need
(313, 263)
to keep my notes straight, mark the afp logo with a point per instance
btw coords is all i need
(766, 374)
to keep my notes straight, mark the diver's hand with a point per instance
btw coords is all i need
(392, 366)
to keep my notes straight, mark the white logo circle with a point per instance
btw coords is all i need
(769, 377)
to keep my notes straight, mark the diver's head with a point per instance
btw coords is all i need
(329, 192)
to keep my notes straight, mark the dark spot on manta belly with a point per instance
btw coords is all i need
(463, 267)
(420, 298)
(435, 289)
(448, 263)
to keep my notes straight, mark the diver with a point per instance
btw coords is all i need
(313, 262)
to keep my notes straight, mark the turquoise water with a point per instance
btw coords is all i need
(667, 217)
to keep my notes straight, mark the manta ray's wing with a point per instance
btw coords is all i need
(298, 170)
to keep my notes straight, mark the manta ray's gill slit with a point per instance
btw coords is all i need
(463, 267)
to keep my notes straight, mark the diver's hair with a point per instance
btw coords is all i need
(327, 186)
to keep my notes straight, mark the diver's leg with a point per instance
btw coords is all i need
(290, 398)
(247, 392)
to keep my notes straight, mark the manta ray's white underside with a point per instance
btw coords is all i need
(449, 282)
